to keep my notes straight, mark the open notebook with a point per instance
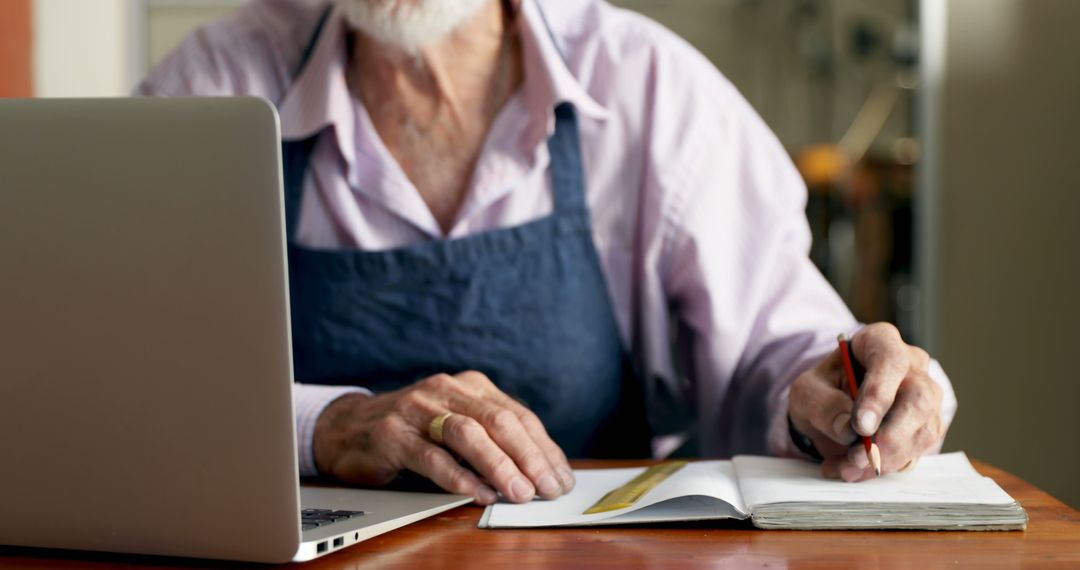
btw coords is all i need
(943, 492)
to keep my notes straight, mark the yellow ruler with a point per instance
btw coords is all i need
(629, 493)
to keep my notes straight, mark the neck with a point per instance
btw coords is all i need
(464, 77)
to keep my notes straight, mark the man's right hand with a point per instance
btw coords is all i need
(370, 439)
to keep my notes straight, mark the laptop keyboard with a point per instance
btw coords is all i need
(314, 518)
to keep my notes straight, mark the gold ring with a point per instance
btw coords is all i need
(909, 465)
(435, 428)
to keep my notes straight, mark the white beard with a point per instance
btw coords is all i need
(409, 24)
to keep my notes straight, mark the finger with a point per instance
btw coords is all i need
(920, 359)
(851, 466)
(846, 465)
(912, 426)
(472, 394)
(887, 361)
(830, 415)
(472, 441)
(856, 456)
(858, 467)
(436, 464)
(505, 428)
(841, 467)
(520, 433)
(551, 451)
(819, 408)
(830, 468)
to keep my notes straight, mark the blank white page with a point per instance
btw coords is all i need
(940, 479)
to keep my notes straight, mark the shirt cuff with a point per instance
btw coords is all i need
(310, 400)
(948, 400)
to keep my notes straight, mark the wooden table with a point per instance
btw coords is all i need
(452, 540)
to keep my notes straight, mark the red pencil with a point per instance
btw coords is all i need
(870, 442)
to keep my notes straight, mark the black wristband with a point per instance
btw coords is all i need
(802, 442)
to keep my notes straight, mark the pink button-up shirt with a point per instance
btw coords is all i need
(697, 210)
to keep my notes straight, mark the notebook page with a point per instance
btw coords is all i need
(947, 478)
(714, 479)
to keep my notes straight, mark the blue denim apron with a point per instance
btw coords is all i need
(527, 306)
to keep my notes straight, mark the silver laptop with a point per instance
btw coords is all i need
(145, 363)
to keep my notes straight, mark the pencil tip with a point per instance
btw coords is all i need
(875, 458)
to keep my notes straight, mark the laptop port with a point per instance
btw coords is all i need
(339, 542)
(321, 547)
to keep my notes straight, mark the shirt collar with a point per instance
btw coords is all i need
(551, 80)
(319, 96)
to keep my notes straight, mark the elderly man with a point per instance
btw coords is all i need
(522, 230)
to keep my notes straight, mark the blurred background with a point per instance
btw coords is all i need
(938, 139)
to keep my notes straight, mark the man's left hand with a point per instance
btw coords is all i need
(897, 400)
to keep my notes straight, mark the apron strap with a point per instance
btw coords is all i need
(567, 173)
(295, 155)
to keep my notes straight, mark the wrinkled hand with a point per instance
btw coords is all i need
(370, 439)
(897, 399)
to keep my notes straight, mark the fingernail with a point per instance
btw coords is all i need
(842, 429)
(850, 473)
(867, 422)
(521, 489)
(860, 460)
(568, 480)
(549, 487)
(485, 496)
